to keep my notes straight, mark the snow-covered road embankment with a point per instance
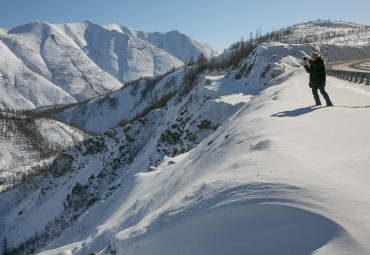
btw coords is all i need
(280, 172)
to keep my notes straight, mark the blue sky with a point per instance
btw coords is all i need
(218, 23)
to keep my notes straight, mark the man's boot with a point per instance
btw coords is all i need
(317, 99)
(327, 99)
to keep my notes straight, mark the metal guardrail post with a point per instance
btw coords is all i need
(350, 76)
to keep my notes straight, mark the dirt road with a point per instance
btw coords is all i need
(359, 65)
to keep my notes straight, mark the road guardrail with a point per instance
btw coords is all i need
(359, 77)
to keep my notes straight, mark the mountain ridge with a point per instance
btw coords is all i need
(162, 40)
(75, 62)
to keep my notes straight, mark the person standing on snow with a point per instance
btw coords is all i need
(317, 72)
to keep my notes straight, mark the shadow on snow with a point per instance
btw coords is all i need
(296, 112)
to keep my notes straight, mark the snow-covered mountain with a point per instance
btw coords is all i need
(208, 162)
(47, 64)
(174, 42)
(322, 31)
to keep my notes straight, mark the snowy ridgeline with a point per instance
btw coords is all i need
(228, 153)
(44, 64)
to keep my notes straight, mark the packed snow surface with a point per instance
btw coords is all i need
(280, 175)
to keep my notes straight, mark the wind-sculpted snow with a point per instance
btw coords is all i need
(236, 230)
(43, 64)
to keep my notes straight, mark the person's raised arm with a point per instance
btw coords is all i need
(308, 70)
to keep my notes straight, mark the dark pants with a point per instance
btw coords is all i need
(315, 93)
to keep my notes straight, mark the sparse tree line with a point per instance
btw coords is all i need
(26, 131)
(51, 230)
(41, 113)
(23, 177)
(28, 184)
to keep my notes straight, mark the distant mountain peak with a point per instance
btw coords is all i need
(28, 28)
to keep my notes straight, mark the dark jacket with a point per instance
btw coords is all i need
(317, 72)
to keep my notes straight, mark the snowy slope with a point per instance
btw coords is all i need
(41, 51)
(102, 159)
(46, 64)
(123, 56)
(276, 160)
(238, 165)
(271, 176)
(27, 143)
(107, 112)
(15, 78)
